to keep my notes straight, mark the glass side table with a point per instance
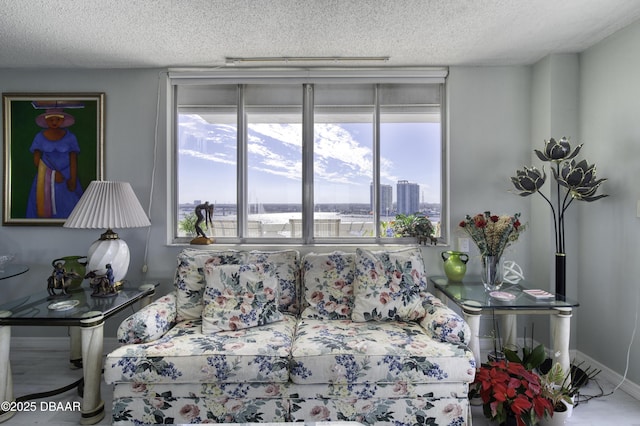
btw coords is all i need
(472, 298)
(85, 317)
(11, 270)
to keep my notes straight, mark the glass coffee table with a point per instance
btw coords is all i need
(511, 300)
(12, 270)
(85, 316)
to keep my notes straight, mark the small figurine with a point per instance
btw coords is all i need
(110, 275)
(102, 285)
(201, 238)
(60, 279)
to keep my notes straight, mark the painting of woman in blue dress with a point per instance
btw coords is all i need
(56, 186)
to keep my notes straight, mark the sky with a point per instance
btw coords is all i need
(343, 160)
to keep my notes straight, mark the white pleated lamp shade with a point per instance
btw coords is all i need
(108, 205)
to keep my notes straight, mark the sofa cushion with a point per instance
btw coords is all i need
(342, 351)
(239, 296)
(190, 280)
(389, 285)
(328, 285)
(286, 265)
(185, 355)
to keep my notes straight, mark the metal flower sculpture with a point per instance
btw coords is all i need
(529, 180)
(557, 151)
(578, 179)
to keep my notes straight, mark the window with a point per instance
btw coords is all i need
(306, 157)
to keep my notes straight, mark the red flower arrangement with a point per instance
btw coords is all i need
(508, 389)
(492, 233)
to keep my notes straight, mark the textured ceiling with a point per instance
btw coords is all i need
(201, 33)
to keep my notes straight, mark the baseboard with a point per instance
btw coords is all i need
(54, 344)
(611, 376)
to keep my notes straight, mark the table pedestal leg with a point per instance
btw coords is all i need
(149, 298)
(75, 353)
(509, 333)
(92, 346)
(472, 317)
(6, 381)
(561, 323)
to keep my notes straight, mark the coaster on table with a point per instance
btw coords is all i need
(539, 294)
(63, 305)
(502, 295)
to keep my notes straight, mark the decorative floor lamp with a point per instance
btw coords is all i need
(108, 205)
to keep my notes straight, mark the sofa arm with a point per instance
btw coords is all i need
(150, 322)
(444, 324)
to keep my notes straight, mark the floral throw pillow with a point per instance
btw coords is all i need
(389, 286)
(190, 278)
(286, 265)
(239, 296)
(328, 285)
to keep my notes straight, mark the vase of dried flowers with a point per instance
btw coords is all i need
(492, 234)
(491, 272)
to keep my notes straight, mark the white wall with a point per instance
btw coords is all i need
(609, 270)
(489, 115)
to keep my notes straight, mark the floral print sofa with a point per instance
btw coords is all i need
(273, 337)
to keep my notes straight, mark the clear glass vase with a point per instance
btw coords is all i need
(492, 272)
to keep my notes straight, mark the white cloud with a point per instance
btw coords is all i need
(216, 158)
(276, 149)
(337, 150)
(289, 134)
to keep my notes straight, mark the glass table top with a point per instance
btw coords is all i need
(471, 292)
(11, 270)
(39, 309)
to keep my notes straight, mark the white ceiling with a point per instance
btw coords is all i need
(201, 33)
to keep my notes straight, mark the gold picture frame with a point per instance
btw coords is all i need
(53, 148)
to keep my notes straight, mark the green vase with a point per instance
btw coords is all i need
(73, 265)
(455, 264)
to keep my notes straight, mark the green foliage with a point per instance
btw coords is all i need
(556, 386)
(531, 357)
(188, 224)
(413, 225)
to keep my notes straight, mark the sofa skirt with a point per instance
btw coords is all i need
(370, 404)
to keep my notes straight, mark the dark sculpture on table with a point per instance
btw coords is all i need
(102, 285)
(204, 213)
(60, 279)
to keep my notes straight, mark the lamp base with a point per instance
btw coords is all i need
(113, 251)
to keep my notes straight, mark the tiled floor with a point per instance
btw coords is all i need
(38, 371)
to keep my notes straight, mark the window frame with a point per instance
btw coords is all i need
(306, 77)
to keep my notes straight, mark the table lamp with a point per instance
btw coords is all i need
(108, 205)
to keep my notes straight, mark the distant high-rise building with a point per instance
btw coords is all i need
(386, 199)
(408, 197)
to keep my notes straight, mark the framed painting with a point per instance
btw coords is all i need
(53, 148)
